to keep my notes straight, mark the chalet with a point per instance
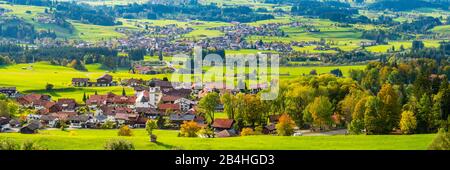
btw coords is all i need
(30, 99)
(49, 120)
(111, 99)
(274, 118)
(80, 82)
(164, 108)
(31, 127)
(78, 121)
(67, 105)
(124, 118)
(222, 124)
(150, 113)
(178, 119)
(105, 80)
(226, 133)
(8, 91)
(269, 129)
(185, 104)
(133, 82)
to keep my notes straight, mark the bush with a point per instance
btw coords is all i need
(119, 144)
(125, 131)
(206, 132)
(8, 144)
(258, 130)
(356, 126)
(441, 142)
(31, 145)
(285, 126)
(108, 125)
(247, 132)
(189, 129)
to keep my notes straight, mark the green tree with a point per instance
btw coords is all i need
(150, 125)
(229, 104)
(321, 110)
(425, 121)
(372, 121)
(209, 103)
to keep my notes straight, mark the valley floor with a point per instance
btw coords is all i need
(168, 140)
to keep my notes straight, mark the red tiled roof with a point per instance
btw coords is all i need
(223, 123)
(169, 106)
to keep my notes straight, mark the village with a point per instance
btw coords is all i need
(154, 99)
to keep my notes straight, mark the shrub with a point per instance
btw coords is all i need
(356, 126)
(258, 130)
(408, 122)
(205, 132)
(441, 142)
(247, 132)
(189, 129)
(8, 144)
(108, 125)
(119, 144)
(285, 126)
(31, 145)
(125, 131)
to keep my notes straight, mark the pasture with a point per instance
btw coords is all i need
(167, 139)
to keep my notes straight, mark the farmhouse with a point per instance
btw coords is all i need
(222, 124)
(30, 128)
(80, 82)
(8, 91)
(105, 80)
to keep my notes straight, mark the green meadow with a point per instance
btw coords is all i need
(32, 78)
(167, 139)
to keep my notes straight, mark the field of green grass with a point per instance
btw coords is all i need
(167, 139)
(32, 78)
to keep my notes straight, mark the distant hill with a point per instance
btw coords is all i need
(408, 5)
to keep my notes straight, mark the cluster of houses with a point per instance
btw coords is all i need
(154, 99)
(103, 81)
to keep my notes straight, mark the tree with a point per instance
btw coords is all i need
(357, 124)
(149, 126)
(372, 121)
(285, 126)
(321, 110)
(229, 104)
(408, 122)
(441, 142)
(84, 97)
(209, 103)
(123, 92)
(390, 107)
(189, 129)
(425, 118)
(49, 87)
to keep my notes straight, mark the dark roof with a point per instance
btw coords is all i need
(274, 118)
(271, 127)
(80, 80)
(146, 110)
(182, 117)
(33, 125)
(223, 123)
(4, 120)
(226, 133)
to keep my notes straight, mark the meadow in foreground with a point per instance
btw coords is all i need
(167, 139)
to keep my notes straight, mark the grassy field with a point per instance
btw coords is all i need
(167, 139)
(31, 78)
